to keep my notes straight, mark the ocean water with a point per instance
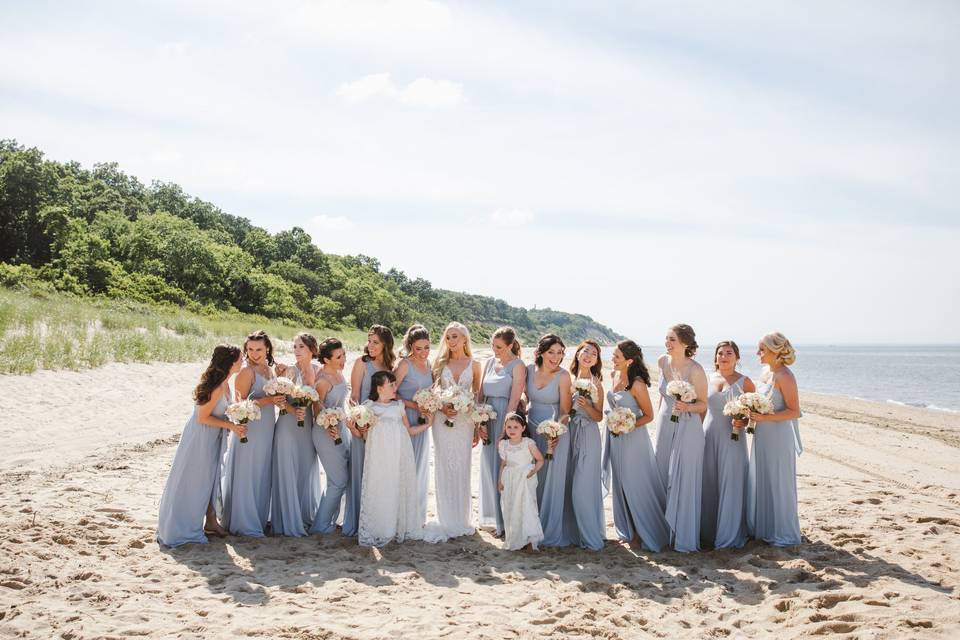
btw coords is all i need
(922, 376)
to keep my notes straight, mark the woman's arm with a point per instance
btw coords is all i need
(641, 394)
(566, 398)
(699, 380)
(205, 415)
(519, 385)
(595, 412)
(791, 400)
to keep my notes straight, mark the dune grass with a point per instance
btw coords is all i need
(40, 330)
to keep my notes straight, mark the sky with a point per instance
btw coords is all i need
(741, 167)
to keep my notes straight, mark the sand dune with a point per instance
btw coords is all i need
(86, 455)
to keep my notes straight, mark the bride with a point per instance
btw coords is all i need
(452, 444)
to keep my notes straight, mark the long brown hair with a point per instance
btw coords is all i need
(386, 337)
(597, 369)
(224, 355)
(637, 368)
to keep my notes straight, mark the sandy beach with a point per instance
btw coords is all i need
(86, 454)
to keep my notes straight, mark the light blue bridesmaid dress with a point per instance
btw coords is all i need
(497, 387)
(335, 460)
(685, 473)
(544, 404)
(666, 429)
(296, 473)
(631, 476)
(194, 481)
(583, 516)
(351, 514)
(414, 381)
(723, 520)
(556, 517)
(772, 487)
(247, 471)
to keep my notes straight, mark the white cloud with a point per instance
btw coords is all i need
(422, 92)
(325, 223)
(512, 217)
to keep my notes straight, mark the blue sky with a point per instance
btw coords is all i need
(787, 165)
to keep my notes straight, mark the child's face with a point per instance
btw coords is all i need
(514, 429)
(387, 391)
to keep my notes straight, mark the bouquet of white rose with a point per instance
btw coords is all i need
(428, 401)
(458, 398)
(331, 417)
(362, 416)
(682, 391)
(585, 388)
(483, 415)
(755, 402)
(279, 386)
(738, 411)
(303, 396)
(243, 412)
(551, 429)
(621, 420)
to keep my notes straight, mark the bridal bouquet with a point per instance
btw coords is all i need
(551, 429)
(243, 412)
(303, 396)
(621, 420)
(331, 417)
(682, 391)
(279, 386)
(458, 398)
(738, 411)
(362, 416)
(755, 402)
(585, 388)
(428, 401)
(483, 415)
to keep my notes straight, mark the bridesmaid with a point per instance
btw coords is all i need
(680, 444)
(191, 488)
(296, 473)
(772, 494)
(334, 458)
(547, 395)
(378, 355)
(630, 468)
(548, 398)
(723, 519)
(504, 378)
(247, 467)
(583, 522)
(413, 373)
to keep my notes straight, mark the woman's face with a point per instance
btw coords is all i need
(454, 339)
(673, 345)
(500, 348)
(514, 429)
(374, 345)
(420, 349)
(765, 356)
(618, 360)
(553, 356)
(587, 357)
(337, 359)
(726, 359)
(256, 351)
(301, 351)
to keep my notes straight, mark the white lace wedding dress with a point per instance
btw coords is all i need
(452, 449)
(388, 502)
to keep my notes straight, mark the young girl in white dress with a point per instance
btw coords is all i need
(520, 459)
(388, 503)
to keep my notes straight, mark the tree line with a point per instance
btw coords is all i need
(101, 232)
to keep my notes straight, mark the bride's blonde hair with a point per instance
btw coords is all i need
(443, 357)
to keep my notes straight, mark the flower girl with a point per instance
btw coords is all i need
(520, 459)
(388, 502)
